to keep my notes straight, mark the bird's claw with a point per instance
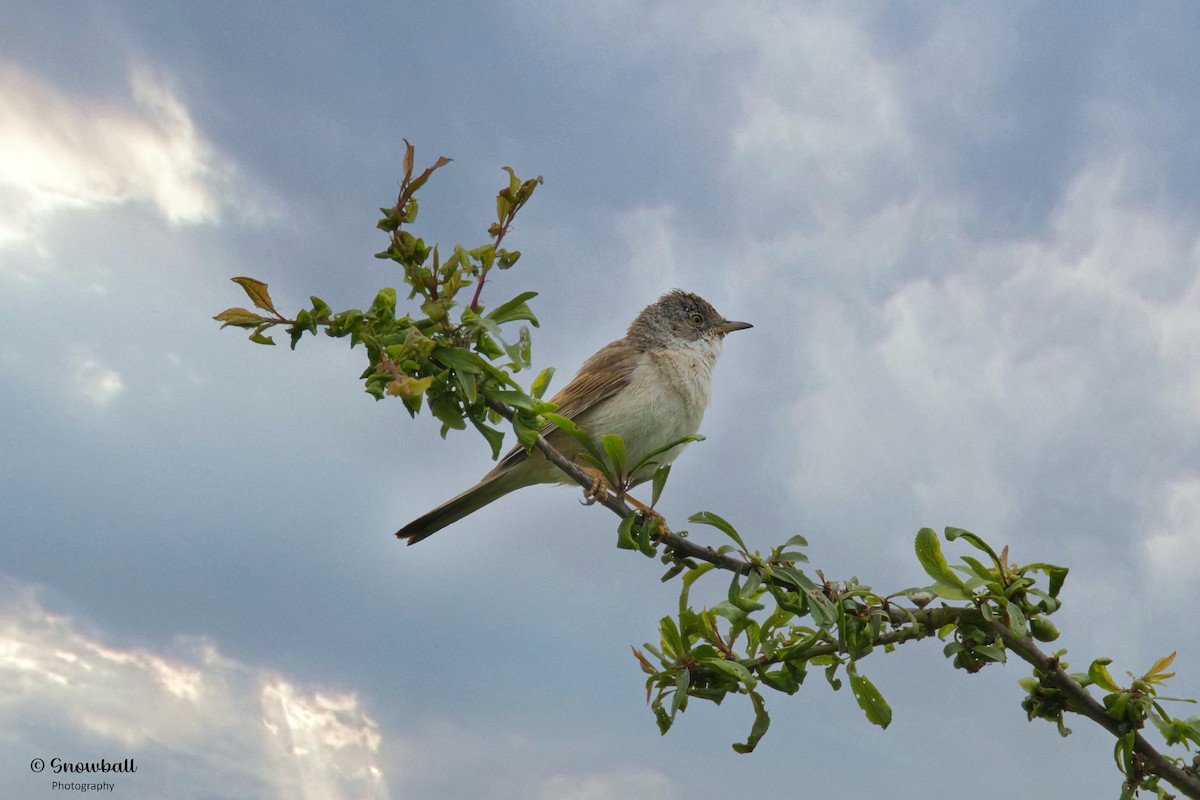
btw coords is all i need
(597, 490)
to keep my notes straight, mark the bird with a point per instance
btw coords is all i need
(650, 387)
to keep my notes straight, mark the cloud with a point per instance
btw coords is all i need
(60, 152)
(94, 381)
(193, 717)
(1172, 549)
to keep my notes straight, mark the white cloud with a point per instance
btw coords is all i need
(816, 109)
(194, 717)
(61, 152)
(1172, 548)
(650, 237)
(1025, 348)
(94, 381)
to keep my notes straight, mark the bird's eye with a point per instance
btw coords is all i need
(697, 318)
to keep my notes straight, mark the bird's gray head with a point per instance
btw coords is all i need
(680, 317)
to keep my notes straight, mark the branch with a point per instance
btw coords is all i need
(678, 544)
(929, 620)
(1082, 703)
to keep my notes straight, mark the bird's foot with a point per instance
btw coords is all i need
(598, 488)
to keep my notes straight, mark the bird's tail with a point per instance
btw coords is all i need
(456, 508)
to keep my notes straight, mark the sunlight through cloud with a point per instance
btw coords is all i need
(206, 722)
(60, 152)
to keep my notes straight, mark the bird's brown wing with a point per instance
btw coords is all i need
(600, 377)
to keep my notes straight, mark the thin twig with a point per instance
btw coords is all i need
(1081, 701)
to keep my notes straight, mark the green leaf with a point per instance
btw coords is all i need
(782, 554)
(819, 606)
(614, 445)
(1056, 575)
(657, 482)
(644, 536)
(991, 652)
(1098, 674)
(929, 553)
(258, 338)
(976, 568)
(762, 721)
(1016, 620)
(577, 433)
(672, 641)
(1177, 730)
(736, 616)
(975, 541)
(527, 433)
(446, 410)
(795, 541)
(257, 292)
(796, 648)
(320, 309)
(463, 360)
(682, 681)
(709, 518)
(240, 318)
(541, 382)
(384, 305)
(520, 353)
(625, 539)
(494, 437)
(1160, 666)
(691, 577)
(518, 400)
(661, 716)
(950, 592)
(869, 699)
(674, 570)
(514, 309)
(649, 459)
(731, 668)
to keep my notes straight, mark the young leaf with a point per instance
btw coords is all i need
(657, 482)
(929, 553)
(1160, 666)
(672, 642)
(679, 701)
(514, 309)
(661, 716)
(494, 437)
(979, 544)
(655, 453)
(691, 577)
(625, 533)
(869, 699)
(1016, 620)
(239, 318)
(541, 382)
(577, 433)
(731, 668)
(614, 445)
(384, 305)
(709, 518)
(762, 721)
(257, 292)
(1098, 674)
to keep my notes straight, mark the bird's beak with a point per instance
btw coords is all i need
(729, 326)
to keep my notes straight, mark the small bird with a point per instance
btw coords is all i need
(650, 388)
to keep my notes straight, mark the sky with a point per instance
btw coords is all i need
(967, 236)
